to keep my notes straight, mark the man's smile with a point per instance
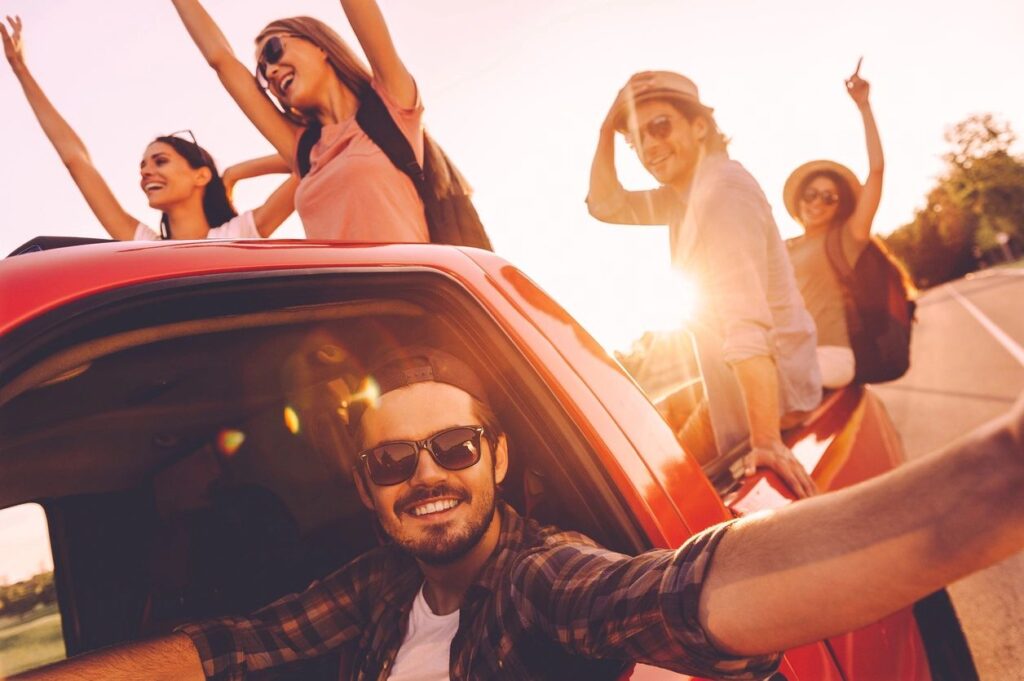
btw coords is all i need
(432, 507)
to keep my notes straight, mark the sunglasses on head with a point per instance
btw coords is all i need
(454, 449)
(659, 127)
(827, 197)
(271, 53)
(181, 134)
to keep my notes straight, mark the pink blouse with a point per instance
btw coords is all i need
(354, 193)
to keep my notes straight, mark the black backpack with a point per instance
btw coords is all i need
(879, 310)
(451, 217)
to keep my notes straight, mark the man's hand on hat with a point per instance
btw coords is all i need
(637, 83)
(624, 99)
(858, 87)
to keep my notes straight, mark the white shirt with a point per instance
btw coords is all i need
(239, 227)
(426, 648)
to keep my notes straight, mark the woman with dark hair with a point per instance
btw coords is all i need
(824, 196)
(350, 190)
(179, 177)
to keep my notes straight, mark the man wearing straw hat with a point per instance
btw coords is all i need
(753, 335)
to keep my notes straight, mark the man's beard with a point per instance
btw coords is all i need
(445, 544)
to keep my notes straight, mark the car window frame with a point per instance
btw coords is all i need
(83, 320)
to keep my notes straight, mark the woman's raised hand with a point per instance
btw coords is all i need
(858, 87)
(14, 48)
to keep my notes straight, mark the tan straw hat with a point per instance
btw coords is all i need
(671, 86)
(810, 168)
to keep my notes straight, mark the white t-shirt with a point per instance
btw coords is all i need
(239, 227)
(426, 649)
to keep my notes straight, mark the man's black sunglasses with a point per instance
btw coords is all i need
(454, 449)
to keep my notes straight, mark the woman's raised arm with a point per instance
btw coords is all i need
(118, 223)
(276, 209)
(367, 22)
(858, 227)
(254, 167)
(280, 204)
(237, 79)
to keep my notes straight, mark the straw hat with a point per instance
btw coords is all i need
(810, 168)
(673, 86)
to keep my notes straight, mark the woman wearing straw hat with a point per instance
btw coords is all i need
(822, 196)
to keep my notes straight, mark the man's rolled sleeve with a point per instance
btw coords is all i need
(646, 207)
(681, 590)
(297, 626)
(220, 652)
(601, 604)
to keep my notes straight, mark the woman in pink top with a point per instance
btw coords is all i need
(178, 176)
(352, 191)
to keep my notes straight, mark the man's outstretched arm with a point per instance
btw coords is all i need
(840, 561)
(171, 658)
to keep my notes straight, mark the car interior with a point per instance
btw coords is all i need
(189, 440)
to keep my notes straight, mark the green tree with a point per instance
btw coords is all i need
(979, 197)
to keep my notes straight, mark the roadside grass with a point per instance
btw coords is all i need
(1016, 264)
(31, 643)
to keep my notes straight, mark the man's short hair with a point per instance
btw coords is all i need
(715, 141)
(405, 366)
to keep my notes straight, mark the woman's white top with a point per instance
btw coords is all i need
(239, 227)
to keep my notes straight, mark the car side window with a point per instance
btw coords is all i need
(30, 621)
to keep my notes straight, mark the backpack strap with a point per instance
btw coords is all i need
(837, 258)
(376, 121)
(307, 140)
(844, 273)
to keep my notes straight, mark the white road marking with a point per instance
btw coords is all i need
(1002, 271)
(1004, 339)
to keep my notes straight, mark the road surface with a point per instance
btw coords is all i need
(967, 366)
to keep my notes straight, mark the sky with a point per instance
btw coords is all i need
(516, 92)
(24, 543)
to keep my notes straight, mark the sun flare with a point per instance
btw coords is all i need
(675, 304)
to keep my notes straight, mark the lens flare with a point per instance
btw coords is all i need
(229, 441)
(676, 303)
(368, 391)
(291, 420)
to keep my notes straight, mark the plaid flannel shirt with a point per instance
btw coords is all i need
(548, 604)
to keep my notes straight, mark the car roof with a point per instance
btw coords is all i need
(36, 282)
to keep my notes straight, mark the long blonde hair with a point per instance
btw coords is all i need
(349, 68)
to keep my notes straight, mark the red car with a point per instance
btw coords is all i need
(162, 403)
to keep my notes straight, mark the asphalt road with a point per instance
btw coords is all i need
(967, 366)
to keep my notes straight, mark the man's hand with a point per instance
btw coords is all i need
(777, 457)
(14, 47)
(621, 102)
(637, 83)
(758, 381)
